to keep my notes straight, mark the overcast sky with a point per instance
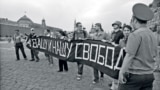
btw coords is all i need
(62, 13)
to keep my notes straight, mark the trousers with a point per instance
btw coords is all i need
(17, 47)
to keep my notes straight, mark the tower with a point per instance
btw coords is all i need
(43, 23)
(75, 24)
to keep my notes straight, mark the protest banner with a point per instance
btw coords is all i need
(101, 55)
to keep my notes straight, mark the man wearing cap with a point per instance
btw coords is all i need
(19, 45)
(34, 53)
(137, 69)
(117, 34)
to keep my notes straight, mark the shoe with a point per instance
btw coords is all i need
(37, 60)
(59, 71)
(17, 59)
(101, 78)
(25, 59)
(79, 77)
(32, 60)
(110, 84)
(114, 85)
(95, 81)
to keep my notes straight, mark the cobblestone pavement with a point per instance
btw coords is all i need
(27, 75)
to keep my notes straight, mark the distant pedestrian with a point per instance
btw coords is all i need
(9, 39)
(19, 45)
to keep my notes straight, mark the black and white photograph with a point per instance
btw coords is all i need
(79, 44)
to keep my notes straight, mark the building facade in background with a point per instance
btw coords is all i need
(24, 24)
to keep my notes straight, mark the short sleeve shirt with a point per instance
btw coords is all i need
(142, 44)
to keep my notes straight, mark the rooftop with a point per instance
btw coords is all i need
(25, 19)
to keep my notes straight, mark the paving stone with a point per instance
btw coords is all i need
(27, 75)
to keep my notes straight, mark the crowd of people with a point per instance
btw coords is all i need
(136, 39)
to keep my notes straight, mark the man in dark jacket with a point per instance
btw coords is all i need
(34, 53)
(117, 34)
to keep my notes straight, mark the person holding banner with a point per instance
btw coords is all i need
(70, 35)
(47, 33)
(32, 36)
(117, 34)
(62, 63)
(79, 34)
(137, 69)
(92, 33)
(122, 43)
(98, 35)
(19, 45)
